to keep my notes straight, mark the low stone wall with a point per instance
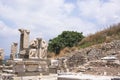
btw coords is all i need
(27, 78)
(30, 68)
(95, 52)
(67, 79)
(53, 70)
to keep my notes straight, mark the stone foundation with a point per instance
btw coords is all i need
(30, 68)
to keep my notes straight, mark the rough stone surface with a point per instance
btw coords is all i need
(95, 52)
(89, 60)
(1, 54)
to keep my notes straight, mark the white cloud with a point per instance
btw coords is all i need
(6, 31)
(101, 11)
(69, 7)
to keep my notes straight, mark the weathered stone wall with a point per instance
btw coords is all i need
(95, 52)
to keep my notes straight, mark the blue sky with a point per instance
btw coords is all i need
(48, 18)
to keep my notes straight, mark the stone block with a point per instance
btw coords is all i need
(59, 78)
(29, 74)
(19, 68)
(30, 68)
(53, 70)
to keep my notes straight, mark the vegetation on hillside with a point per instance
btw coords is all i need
(106, 35)
(64, 44)
(66, 39)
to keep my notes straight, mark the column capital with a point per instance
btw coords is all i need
(39, 39)
(15, 43)
(24, 30)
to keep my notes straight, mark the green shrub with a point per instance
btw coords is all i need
(66, 39)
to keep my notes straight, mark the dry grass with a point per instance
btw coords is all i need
(106, 35)
(63, 52)
(66, 51)
(51, 55)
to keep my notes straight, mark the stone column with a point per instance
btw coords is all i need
(24, 42)
(14, 47)
(44, 46)
(1, 55)
(42, 49)
(39, 48)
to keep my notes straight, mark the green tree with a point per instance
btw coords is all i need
(66, 39)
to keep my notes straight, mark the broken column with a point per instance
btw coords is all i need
(24, 42)
(39, 48)
(14, 47)
(42, 49)
(1, 55)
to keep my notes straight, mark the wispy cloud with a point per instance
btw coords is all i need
(104, 13)
(6, 31)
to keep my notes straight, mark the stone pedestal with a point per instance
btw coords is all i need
(30, 67)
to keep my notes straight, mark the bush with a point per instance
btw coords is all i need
(66, 39)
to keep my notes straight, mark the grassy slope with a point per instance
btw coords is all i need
(106, 35)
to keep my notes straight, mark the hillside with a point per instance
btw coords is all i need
(87, 56)
(107, 35)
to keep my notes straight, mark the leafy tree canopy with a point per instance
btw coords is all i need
(66, 39)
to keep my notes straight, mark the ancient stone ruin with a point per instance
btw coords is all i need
(36, 49)
(33, 55)
(30, 62)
